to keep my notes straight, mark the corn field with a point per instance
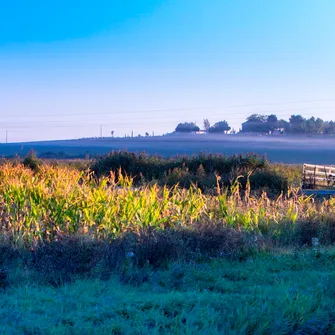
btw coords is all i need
(41, 206)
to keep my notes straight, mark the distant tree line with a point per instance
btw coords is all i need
(189, 127)
(296, 125)
(268, 124)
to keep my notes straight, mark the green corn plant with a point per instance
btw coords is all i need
(37, 207)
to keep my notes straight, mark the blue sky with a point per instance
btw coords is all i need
(146, 65)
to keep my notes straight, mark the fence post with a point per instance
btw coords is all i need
(304, 176)
(327, 178)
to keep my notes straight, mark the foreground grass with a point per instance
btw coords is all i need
(280, 293)
(80, 255)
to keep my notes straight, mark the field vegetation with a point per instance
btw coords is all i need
(281, 293)
(39, 202)
(86, 252)
(201, 170)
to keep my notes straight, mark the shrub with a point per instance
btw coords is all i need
(268, 180)
(61, 261)
(199, 169)
(32, 162)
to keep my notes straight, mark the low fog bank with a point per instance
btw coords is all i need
(285, 149)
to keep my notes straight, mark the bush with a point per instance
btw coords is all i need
(32, 162)
(71, 257)
(200, 169)
(61, 261)
(268, 180)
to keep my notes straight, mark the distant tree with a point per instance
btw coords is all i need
(257, 117)
(310, 126)
(319, 126)
(272, 119)
(314, 126)
(329, 128)
(297, 124)
(207, 125)
(146, 134)
(187, 127)
(272, 122)
(283, 125)
(257, 123)
(220, 127)
(112, 133)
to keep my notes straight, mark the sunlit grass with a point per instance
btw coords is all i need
(41, 206)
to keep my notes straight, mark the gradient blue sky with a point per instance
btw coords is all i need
(67, 68)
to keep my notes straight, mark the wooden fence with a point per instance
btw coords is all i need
(318, 176)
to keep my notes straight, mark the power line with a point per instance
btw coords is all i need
(175, 109)
(158, 119)
(171, 123)
(125, 125)
(45, 122)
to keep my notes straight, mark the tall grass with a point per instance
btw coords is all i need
(54, 201)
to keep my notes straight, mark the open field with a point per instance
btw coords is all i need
(81, 255)
(291, 150)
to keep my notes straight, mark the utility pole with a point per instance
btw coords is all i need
(101, 131)
(132, 133)
(6, 136)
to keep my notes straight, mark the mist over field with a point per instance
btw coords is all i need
(284, 149)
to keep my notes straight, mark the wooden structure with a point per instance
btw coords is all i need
(318, 177)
